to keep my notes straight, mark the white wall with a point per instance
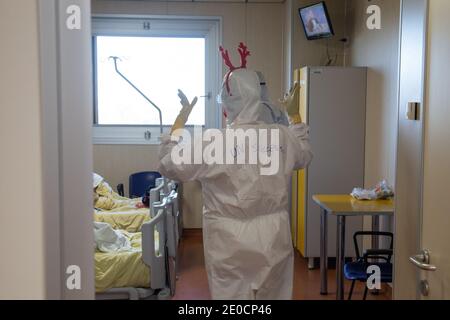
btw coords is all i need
(260, 25)
(378, 50)
(300, 52)
(21, 211)
(288, 39)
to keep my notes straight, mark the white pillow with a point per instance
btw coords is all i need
(97, 179)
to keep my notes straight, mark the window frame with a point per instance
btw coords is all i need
(208, 27)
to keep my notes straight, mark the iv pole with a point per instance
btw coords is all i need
(137, 89)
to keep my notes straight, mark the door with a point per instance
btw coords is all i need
(409, 147)
(436, 207)
(424, 222)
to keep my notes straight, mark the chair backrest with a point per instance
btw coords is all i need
(141, 182)
(357, 235)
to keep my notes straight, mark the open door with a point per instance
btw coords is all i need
(434, 279)
(409, 179)
(422, 244)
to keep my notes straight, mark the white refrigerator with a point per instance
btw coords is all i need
(333, 104)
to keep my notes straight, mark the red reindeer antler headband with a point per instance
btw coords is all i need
(243, 52)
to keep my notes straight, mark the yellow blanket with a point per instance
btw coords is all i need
(106, 199)
(130, 220)
(123, 269)
(120, 212)
(105, 190)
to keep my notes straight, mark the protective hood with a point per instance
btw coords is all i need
(246, 99)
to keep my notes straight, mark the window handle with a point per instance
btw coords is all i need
(208, 96)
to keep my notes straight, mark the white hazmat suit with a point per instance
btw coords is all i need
(246, 221)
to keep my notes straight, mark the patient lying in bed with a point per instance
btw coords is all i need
(105, 198)
(120, 212)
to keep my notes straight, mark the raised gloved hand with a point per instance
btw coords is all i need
(186, 110)
(291, 104)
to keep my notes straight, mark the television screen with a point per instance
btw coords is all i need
(316, 21)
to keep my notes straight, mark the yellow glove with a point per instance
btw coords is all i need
(186, 110)
(291, 104)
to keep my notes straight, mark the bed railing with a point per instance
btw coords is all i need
(165, 220)
(162, 189)
(153, 251)
(155, 197)
(172, 224)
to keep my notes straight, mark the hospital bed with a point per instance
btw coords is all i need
(129, 218)
(120, 212)
(151, 272)
(169, 189)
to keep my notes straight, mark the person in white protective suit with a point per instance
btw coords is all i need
(246, 221)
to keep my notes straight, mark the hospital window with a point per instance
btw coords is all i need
(158, 56)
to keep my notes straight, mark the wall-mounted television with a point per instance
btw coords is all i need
(316, 21)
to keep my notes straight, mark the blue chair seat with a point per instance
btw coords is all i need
(141, 182)
(357, 271)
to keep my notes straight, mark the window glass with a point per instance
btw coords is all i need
(158, 66)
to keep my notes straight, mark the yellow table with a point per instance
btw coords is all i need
(343, 206)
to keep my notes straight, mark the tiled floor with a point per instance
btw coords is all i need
(192, 283)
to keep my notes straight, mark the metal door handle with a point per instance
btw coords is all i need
(422, 261)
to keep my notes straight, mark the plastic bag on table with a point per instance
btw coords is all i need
(381, 191)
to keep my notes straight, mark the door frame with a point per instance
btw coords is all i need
(66, 149)
(50, 147)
